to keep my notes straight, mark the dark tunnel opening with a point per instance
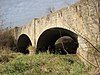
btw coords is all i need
(47, 41)
(23, 43)
(65, 45)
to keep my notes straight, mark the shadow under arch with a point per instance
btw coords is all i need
(23, 43)
(50, 36)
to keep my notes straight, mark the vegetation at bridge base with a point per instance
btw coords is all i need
(12, 63)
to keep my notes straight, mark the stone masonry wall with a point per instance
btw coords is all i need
(80, 18)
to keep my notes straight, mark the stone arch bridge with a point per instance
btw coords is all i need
(80, 21)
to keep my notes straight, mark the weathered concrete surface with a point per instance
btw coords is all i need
(82, 18)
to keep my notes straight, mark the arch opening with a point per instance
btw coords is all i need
(65, 44)
(23, 43)
(48, 41)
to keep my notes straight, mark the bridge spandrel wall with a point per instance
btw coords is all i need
(89, 11)
(86, 20)
(80, 18)
(17, 31)
(27, 30)
(83, 19)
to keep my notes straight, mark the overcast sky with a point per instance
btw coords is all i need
(20, 12)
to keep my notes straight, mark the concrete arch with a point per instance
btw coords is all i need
(23, 43)
(50, 36)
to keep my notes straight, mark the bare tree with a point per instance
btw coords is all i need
(1, 19)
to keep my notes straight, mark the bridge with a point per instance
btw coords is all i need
(80, 21)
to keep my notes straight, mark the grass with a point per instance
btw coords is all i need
(41, 64)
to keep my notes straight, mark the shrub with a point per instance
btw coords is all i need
(6, 39)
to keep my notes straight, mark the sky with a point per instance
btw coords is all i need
(20, 12)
